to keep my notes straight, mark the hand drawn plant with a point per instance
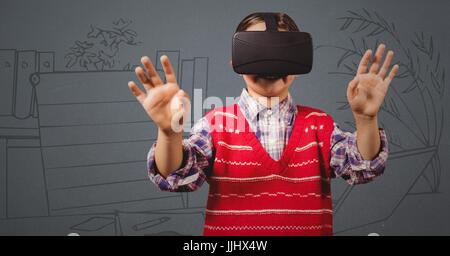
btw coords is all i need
(100, 51)
(420, 69)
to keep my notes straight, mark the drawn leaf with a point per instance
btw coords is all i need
(355, 14)
(346, 24)
(349, 68)
(84, 44)
(443, 76)
(382, 20)
(367, 13)
(120, 22)
(376, 31)
(431, 48)
(130, 32)
(364, 43)
(411, 87)
(438, 59)
(375, 46)
(344, 56)
(353, 44)
(436, 85)
(94, 32)
(394, 107)
(403, 74)
(72, 60)
(362, 26)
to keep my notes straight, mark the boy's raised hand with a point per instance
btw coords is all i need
(366, 92)
(165, 103)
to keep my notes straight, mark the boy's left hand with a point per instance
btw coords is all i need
(366, 92)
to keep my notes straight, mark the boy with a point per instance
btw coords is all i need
(268, 162)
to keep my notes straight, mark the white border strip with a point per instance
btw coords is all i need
(225, 114)
(315, 114)
(307, 146)
(268, 177)
(234, 147)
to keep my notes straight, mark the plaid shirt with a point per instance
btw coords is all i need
(273, 127)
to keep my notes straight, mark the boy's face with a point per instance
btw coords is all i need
(273, 87)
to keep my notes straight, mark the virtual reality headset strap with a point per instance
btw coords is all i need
(270, 19)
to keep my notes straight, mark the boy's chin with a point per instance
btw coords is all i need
(267, 87)
(268, 80)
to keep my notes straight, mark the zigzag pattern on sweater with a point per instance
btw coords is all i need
(268, 211)
(314, 227)
(304, 163)
(236, 162)
(268, 194)
(269, 177)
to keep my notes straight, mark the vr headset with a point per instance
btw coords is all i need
(272, 53)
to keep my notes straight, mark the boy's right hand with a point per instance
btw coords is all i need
(165, 103)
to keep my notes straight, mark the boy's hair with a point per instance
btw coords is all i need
(284, 22)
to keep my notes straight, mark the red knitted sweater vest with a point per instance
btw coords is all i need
(252, 194)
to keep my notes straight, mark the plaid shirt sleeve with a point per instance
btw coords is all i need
(197, 153)
(347, 162)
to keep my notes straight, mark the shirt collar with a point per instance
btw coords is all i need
(251, 107)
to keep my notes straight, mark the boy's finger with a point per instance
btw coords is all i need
(168, 70)
(362, 68)
(391, 75)
(377, 59)
(386, 64)
(140, 73)
(184, 100)
(154, 76)
(182, 93)
(140, 95)
(351, 89)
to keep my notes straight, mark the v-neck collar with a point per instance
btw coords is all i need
(253, 110)
(267, 161)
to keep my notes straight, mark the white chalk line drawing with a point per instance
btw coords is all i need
(422, 72)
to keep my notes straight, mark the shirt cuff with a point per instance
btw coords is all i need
(176, 178)
(358, 163)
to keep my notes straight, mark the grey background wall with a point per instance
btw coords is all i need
(73, 141)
